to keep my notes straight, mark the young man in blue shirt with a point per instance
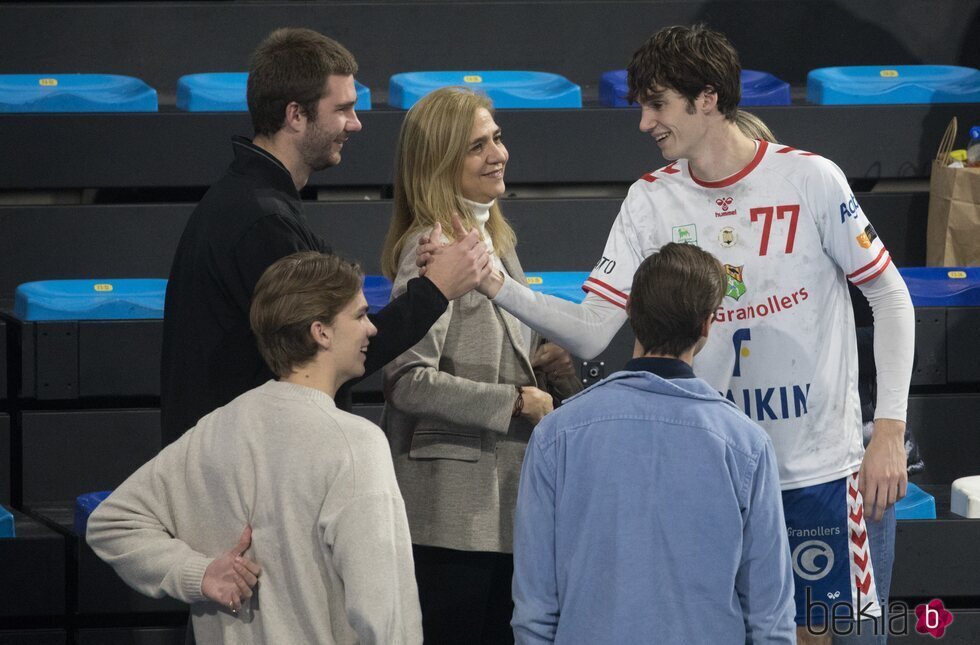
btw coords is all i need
(649, 507)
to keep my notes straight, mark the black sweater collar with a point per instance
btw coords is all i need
(253, 160)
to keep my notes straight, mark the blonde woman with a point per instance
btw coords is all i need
(462, 403)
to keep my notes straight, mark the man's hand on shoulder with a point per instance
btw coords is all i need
(456, 268)
(230, 577)
(884, 475)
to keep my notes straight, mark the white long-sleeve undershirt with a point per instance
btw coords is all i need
(894, 344)
(583, 329)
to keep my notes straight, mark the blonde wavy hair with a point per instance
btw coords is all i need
(753, 127)
(432, 145)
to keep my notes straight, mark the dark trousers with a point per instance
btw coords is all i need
(465, 596)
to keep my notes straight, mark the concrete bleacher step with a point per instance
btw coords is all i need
(77, 339)
(5, 461)
(174, 635)
(3, 363)
(65, 453)
(98, 591)
(80, 359)
(945, 429)
(936, 557)
(33, 572)
(33, 636)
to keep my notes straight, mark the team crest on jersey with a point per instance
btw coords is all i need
(736, 287)
(686, 234)
(725, 204)
(727, 237)
(867, 237)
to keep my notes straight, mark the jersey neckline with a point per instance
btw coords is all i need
(728, 181)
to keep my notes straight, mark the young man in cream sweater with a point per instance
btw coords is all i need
(313, 486)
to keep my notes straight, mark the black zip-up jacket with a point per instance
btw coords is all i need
(249, 219)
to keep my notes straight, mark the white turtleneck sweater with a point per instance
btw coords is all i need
(480, 213)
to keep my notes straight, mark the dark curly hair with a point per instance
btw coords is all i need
(687, 60)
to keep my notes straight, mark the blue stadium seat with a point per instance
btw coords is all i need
(613, 89)
(122, 299)
(84, 506)
(758, 88)
(225, 92)
(899, 84)
(377, 291)
(507, 89)
(7, 529)
(762, 88)
(75, 93)
(943, 286)
(562, 284)
(916, 505)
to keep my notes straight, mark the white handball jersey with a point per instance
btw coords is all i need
(782, 347)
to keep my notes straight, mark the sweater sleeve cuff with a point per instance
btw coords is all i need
(430, 287)
(191, 578)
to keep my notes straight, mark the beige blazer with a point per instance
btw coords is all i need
(457, 451)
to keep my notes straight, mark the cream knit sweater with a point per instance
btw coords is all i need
(328, 523)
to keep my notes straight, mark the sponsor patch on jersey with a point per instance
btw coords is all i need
(727, 237)
(686, 234)
(725, 204)
(736, 286)
(867, 237)
(769, 306)
(849, 209)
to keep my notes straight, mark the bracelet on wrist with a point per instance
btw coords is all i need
(519, 403)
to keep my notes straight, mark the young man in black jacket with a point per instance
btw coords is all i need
(301, 99)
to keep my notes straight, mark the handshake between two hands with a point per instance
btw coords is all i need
(459, 267)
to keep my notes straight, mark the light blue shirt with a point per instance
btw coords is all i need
(649, 511)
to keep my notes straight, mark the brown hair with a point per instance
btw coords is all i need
(292, 293)
(674, 292)
(432, 146)
(292, 64)
(687, 60)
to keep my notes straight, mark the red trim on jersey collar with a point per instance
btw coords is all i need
(728, 181)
